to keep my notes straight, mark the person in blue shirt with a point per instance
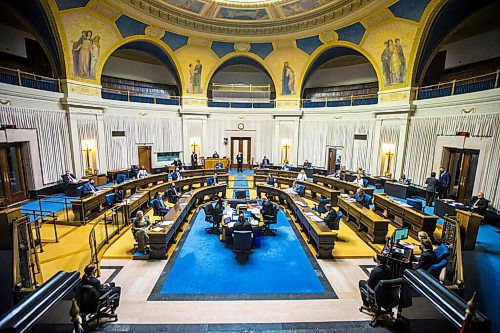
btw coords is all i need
(219, 165)
(361, 198)
(285, 166)
(159, 204)
(88, 189)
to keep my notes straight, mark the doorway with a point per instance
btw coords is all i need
(244, 146)
(13, 182)
(462, 166)
(144, 153)
(334, 159)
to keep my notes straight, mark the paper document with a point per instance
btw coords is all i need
(300, 203)
(165, 223)
(157, 229)
(344, 195)
(230, 224)
(316, 218)
(255, 210)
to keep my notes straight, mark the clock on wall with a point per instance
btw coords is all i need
(241, 126)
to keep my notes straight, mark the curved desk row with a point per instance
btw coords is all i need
(338, 184)
(275, 173)
(318, 233)
(161, 239)
(314, 189)
(203, 172)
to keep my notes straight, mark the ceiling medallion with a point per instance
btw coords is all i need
(242, 47)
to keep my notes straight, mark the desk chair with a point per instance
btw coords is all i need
(382, 300)
(210, 218)
(79, 191)
(335, 225)
(320, 207)
(120, 178)
(301, 190)
(93, 306)
(172, 198)
(442, 252)
(417, 204)
(242, 244)
(110, 199)
(240, 194)
(155, 211)
(269, 220)
(435, 270)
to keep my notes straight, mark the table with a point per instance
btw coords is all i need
(112, 174)
(318, 233)
(202, 172)
(338, 184)
(276, 173)
(86, 208)
(446, 207)
(228, 211)
(160, 239)
(405, 216)
(403, 191)
(210, 163)
(398, 258)
(132, 204)
(99, 179)
(376, 227)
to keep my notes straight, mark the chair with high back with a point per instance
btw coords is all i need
(301, 190)
(382, 300)
(210, 218)
(120, 178)
(320, 207)
(110, 199)
(156, 212)
(94, 306)
(242, 244)
(417, 204)
(335, 225)
(270, 220)
(435, 270)
(442, 252)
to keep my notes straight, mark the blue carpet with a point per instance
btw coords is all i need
(205, 266)
(245, 172)
(53, 204)
(240, 184)
(246, 191)
(240, 177)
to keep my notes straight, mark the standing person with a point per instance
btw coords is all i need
(444, 183)
(239, 161)
(430, 191)
(194, 160)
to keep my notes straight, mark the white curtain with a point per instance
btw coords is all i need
(53, 137)
(163, 134)
(87, 130)
(421, 143)
(389, 134)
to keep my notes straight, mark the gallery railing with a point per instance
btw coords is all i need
(329, 102)
(139, 97)
(24, 79)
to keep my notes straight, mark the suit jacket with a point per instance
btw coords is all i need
(159, 205)
(285, 167)
(432, 184)
(242, 225)
(194, 158)
(307, 165)
(69, 178)
(482, 204)
(239, 158)
(88, 189)
(380, 272)
(218, 165)
(176, 176)
(177, 163)
(331, 216)
(444, 180)
(215, 156)
(265, 161)
(267, 208)
(426, 260)
(271, 181)
(94, 282)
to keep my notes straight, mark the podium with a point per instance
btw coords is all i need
(469, 226)
(210, 162)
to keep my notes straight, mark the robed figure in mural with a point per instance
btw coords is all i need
(288, 80)
(197, 78)
(393, 62)
(86, 55)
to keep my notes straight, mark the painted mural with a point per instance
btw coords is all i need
(194, 6)
(287, 80)
(393, 62)
(86, 55)
(242, 14)
(194, 85)
(302, 6)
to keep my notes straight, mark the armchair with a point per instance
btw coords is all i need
(120, 178)
(435, 270)
(269, 220)
(210, 218)
(242, 244)
(382, 300)
(94, 306)
(320, 207)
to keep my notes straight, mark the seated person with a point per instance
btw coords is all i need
(403, 180)
(422, 235)
(360, 197)
(70, 178)
(140, 228)
(267, 206)
(331, 216)
(159, 204)
(177, 163)
(219, 165)
(89, 188)
(89, 279)
(213, 179)
(358, 181)
(119, 194)
(361, 172)
(380, 272)
(427, 257)
(271, 181)
(294, 189)
(215, 155)
(177, 175)
(302, 175)
(174, 194)
(218, 210)
(479, 204)
(142, 173)
(242, 224)
(307, 164)
(285, 166)
(265, 162)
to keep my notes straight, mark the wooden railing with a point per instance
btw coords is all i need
(240, 87)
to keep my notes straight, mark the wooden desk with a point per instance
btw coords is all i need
(338, 184)
(210, 163)
(275, 173)
(469, 227)
(377, 226)
(112, 174)
(405, 217)
(86, 208)
(403, 191)
(312, 188)
(132, 204)
(159, 241)
(99, 179)
(202, 172)
(322, 238)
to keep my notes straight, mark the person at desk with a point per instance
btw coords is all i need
(285, 166)
(176, 175)
(173, 194)
(242, 224)
(302, 176)
(479, 204)
(177, 163)
(403, 180)
(267, 206)
(159, 205)
(330, 217)
(194, 160)
(89, 279)
(362, 198)
(70, 178)
(271, 181)
(265, 162)
(427, 257)
(88, 188)
(213, 180)
(142, 173)
(219, 165)
(379, 273)
(140, 228)
(239, 162)
(294, 189)
(215, 155)
(307, 164)
(444, 183)
(358, 181)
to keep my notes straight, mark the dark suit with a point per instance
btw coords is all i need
(271, 181)
(194, 160)
(159, 206)
(88, 189)
(482, 205)
(215, 156)
(265, 162)
(307, 165)
(330, 218)
(430, 190)
(444, 184)
(380, 272)
(94, 282)
(242, 225)
(218, 165)
(173, 194)
(285, 167)
(177, 164)
(176, 176)
(426, 260)
(267, 208)
(69, 178)
(239, 161)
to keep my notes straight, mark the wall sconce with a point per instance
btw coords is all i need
(143, 114)
(388, 149)
(226, 140)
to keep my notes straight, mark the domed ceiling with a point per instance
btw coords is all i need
(251, 17)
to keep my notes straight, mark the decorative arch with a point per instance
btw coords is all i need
(148, 45)
(329, 52)
(239, 59)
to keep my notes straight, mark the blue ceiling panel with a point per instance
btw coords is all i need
(352, 33)
(129, 26)
(309, 44)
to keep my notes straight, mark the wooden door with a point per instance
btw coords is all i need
(332, 157)
(144, 153)
(462, 166)
(13, 180)
(243, 145)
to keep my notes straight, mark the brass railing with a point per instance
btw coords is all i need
(30, 80)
